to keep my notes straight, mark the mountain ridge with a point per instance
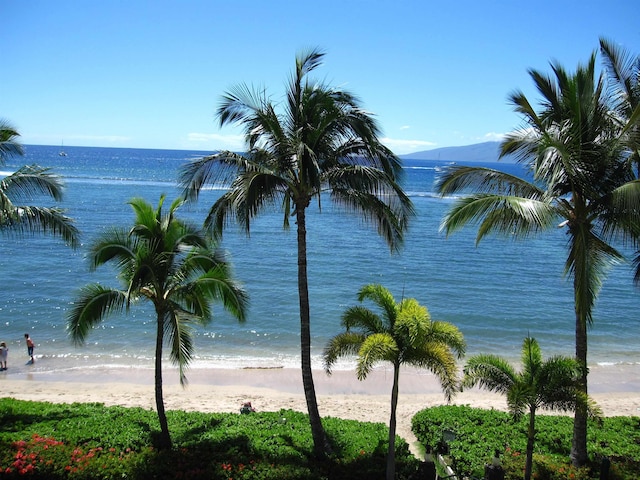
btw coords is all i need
(477, 152)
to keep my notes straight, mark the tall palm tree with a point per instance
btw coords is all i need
(26, 184)
(582, 182)
(169, 263)
(402, 334)
(322, 141)
(549, 384)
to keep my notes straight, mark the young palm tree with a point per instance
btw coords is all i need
(25, 184)
(403, 334)
(169, 263)
(575, 149)
(322, 141)
(549, 384)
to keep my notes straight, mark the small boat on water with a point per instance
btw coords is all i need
(62, 153)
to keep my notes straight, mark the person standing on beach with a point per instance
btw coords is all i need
(4, 351)
(29, 346)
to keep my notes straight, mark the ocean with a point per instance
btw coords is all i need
(497, 292)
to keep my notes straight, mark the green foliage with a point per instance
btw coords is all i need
(91, 441)
(478, 433)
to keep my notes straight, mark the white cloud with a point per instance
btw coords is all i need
(405, 127)
(216, 141)
(493, 137)
(401, 147)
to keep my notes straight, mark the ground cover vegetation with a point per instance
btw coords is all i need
(43, 440)
(474, 435)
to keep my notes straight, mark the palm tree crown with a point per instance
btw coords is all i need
(577, 153)
(319, 141)
(402, 334)
(25, 184)
(169, 263)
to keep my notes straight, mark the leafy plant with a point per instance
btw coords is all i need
(478, 433)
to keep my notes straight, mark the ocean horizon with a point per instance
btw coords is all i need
(497, 293)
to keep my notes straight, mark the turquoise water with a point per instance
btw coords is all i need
(496, 293)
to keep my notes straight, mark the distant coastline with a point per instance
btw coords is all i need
(487, 152)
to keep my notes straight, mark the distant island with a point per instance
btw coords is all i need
(478, 152)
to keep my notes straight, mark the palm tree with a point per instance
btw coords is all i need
(321, 142)
(623, 70)
(169, 263)
(26, 184)
(403, 334)
(582, 182)
(549, 384)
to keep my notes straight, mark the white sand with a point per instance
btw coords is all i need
(615, 389)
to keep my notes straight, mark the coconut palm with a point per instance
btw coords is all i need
(549, 384)
(26, 184)
(169, 263)
(576, 152)
(321, 141)
(402, 334)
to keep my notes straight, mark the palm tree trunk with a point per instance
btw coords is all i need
(579, 442)
(391, 454)
(531, 438)
(164, 441)
(320, 443)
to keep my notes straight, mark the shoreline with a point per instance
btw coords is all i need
(616, 389)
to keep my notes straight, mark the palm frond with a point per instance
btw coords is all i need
(343, 344)
(32, 220)
(588, 260)
(383, 299)
(378, 347)
(516, 217)
(216, 284)
(31, 181)
(9, 145)
(361, 318)
(179, 331)
(490, 372)
(462, 179)
(93, 304)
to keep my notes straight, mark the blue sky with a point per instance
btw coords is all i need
(150, 74)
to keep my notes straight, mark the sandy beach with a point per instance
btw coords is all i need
(615, 388)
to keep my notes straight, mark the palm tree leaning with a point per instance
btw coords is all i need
(26, 184)
(321, 141)
(171, 264)
(575, 149)
(403, 334)
(549, 384)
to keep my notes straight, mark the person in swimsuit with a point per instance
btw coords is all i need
(29, 346)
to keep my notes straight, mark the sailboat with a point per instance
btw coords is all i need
(62, 152)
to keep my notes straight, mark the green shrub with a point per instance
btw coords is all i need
(41, 440)
(478, 433)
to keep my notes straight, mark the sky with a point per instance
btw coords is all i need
(150, 74)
